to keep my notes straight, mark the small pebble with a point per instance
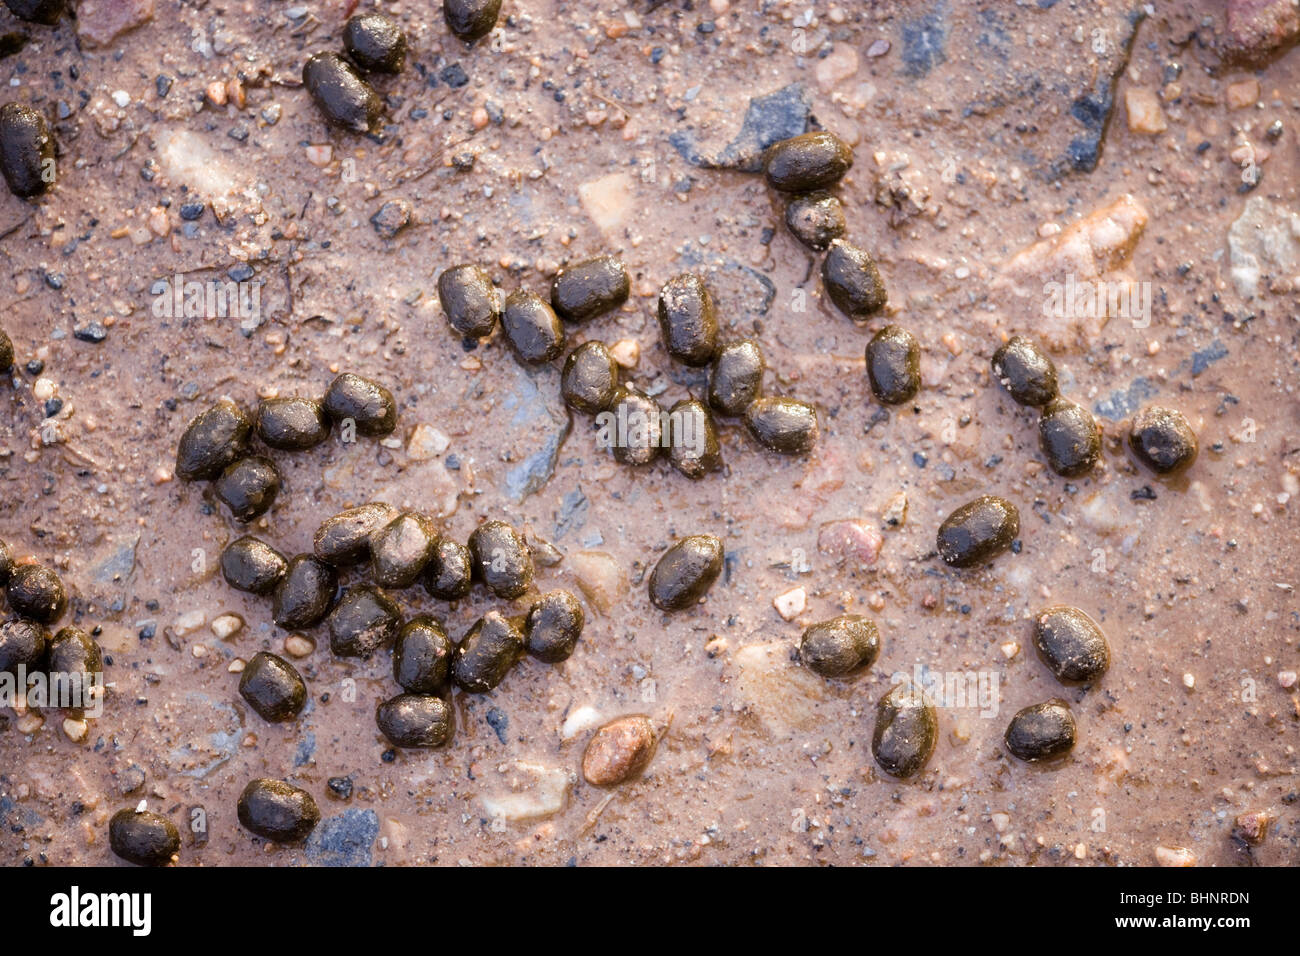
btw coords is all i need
(619, 751)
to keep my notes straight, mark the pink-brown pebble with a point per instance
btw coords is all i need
(619, 751)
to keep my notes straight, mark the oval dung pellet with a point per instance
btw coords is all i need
(907, 727)
(26, 151)
(852, 280)
(36, 593)
(841, 647)
(292, 424)
(22, 644)
(1162, 440)
(592, 287)
(143, 837)
(277, 811)
(783, 425)
(340, 93)
(632, 427)
(422, 656)
(894, 365)
(471, 19)
(806, 163)
(978, 531)
(501, 559)
(589, 381)
(1071, 644)
(363, 402)
(1069, 437)
(375, 42)
(250, 564)
(816, 220)
(553, 626)
(401, 549)
(345, 538)
(487, 652)
(1043, 731)
(450, 571)
(416, 721)
(1025, 371)
(272, 687)
(248, 487)
(693, 447)
(45, 12)
(214, 439)
(364, 620)
(736, 378)
(532, 328)
(469, 300)
(685, 572)
(688, 320)
(305, 593)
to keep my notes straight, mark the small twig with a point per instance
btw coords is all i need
(613, 104)
(595, 813)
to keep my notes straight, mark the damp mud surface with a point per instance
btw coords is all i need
(1099, 178)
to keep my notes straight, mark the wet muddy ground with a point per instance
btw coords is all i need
(999, 149)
